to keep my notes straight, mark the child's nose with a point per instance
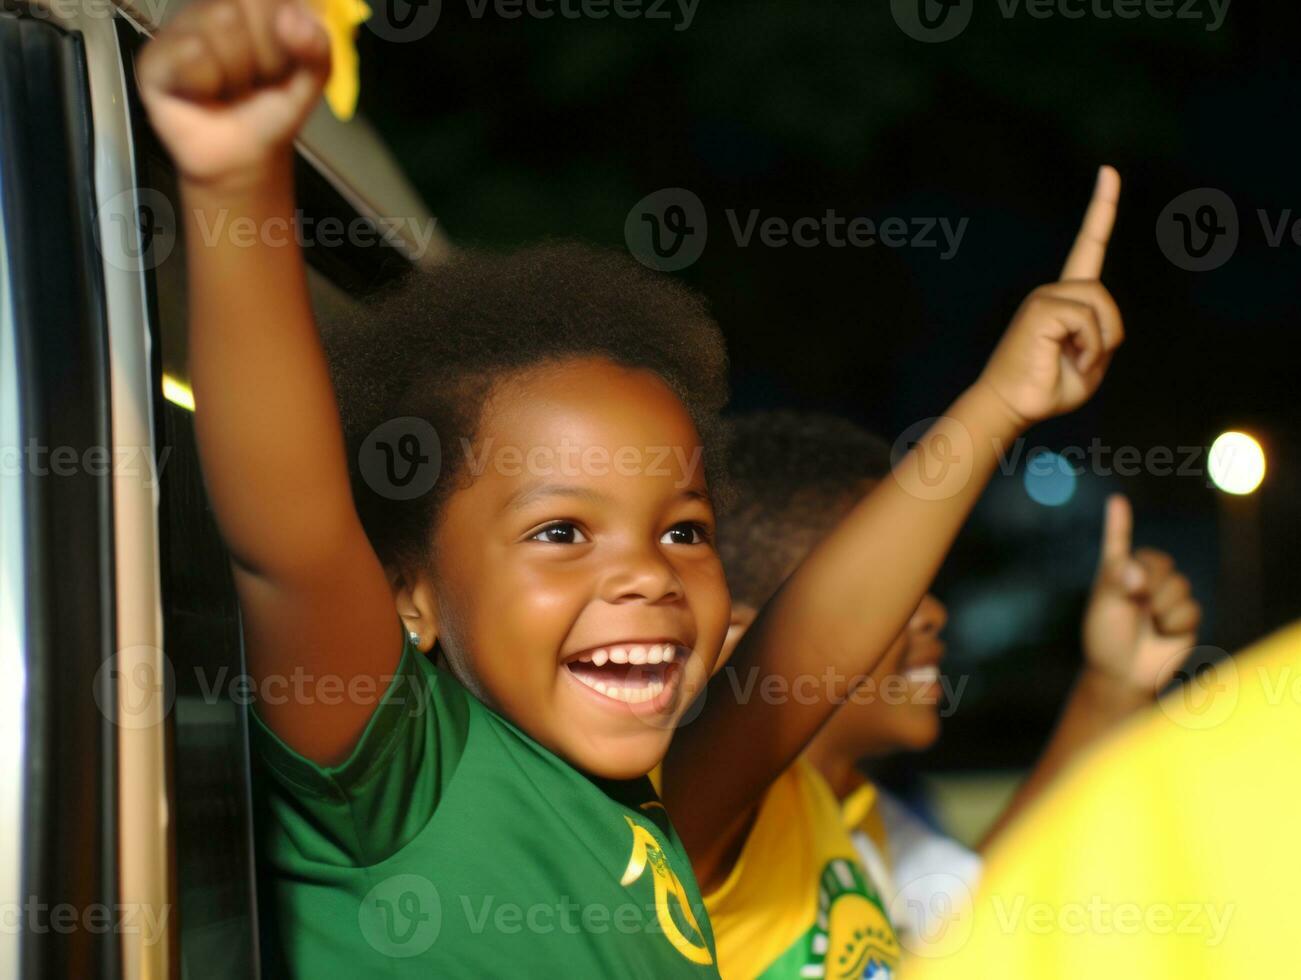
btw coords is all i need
(643, 575)
(930, 617)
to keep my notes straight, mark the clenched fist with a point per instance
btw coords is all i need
(228, 83)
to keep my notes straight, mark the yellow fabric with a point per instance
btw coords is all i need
(341, 19)
(797, 898)
(1172, 851)
(859, 811)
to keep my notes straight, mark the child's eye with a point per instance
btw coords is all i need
(561, 532)
(688, 532)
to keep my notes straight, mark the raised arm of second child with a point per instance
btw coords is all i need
(1139, 626)
(838, 613)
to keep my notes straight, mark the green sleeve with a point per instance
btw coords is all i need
(365, 809)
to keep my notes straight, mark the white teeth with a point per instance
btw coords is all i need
(656, 653)
(650, 686)
(629, 695)
(923, 675)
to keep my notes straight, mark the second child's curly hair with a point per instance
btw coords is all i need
(792, 477)
(434, 344)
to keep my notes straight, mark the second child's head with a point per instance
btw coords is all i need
(793, 477)
(563, 561)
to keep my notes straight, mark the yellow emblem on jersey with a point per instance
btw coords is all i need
(647, 851)
(858, 940)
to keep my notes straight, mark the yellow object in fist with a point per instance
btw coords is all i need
(341, 19)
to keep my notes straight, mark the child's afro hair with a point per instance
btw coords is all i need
(434, 343)
(792, 476)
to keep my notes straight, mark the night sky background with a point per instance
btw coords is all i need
(520, 129)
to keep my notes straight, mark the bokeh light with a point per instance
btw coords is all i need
(1236, 463)
(1049, 479)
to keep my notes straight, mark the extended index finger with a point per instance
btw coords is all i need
(1117, 529)
(1090, 249)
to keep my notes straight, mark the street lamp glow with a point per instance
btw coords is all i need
(1236, 463)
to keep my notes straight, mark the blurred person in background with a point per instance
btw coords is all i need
(794, 476)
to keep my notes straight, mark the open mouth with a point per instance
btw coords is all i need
(927, 674)
(925, 664)
(632, 673)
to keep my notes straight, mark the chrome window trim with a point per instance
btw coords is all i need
(13, 630)
(142, 804)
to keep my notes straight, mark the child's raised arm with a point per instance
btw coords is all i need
(227, 85)
(1139, 625)
(837, 614)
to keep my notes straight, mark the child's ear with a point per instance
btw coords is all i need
(416, 600)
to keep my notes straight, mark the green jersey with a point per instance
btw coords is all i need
(451, 844)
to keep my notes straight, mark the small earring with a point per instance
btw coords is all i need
(415, 637)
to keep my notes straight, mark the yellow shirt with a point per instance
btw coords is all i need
(797, 904)
(1172, 851)
(858, 811)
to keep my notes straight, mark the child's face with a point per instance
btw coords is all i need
(576, 588)
(897, 708)
(902, 711)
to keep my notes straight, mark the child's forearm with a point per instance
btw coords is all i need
(311, 590)
(266, 418)
(855, 591)
(227, 86)
(1140, 622)
(833, 619)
